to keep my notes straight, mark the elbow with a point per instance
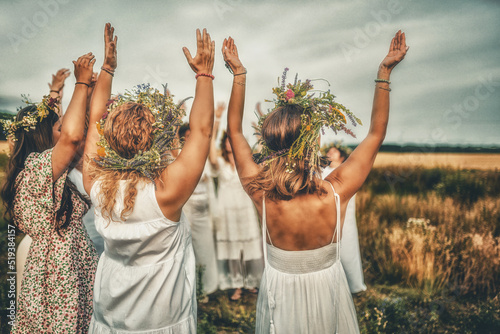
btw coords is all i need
(73, 139)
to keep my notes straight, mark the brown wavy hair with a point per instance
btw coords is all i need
(128, 130)
(37, 140)
(279, 130)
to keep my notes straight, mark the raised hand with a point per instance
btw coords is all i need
(230, 53)
(110, 60)
(84, 68)
(203, 62)
(221, 106)
(58, 79)
(397, 51)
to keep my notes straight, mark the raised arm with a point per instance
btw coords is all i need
(57, 85)
(242, 152)
(74, 120)
(100, 97)
(182, 176)
(349, 176)
(212, 156)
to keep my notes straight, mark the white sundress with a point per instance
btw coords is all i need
(239, 245)
(145, 279)
(350, 254)
(199, 210)
(304, 291)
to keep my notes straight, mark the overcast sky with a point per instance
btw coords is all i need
(445, 92)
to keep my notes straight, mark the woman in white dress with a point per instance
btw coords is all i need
(145, 280)
(239, 245)
(349, 253)
(199, 210)
(304, 288)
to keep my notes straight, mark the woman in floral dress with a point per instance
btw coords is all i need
(56, 289)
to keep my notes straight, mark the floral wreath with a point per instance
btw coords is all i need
(167, 116)
(319, 112)
(29, 121)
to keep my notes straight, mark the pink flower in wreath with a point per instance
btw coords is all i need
(290, 94)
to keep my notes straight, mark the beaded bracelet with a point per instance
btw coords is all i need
(112, 73)
(382, 80)
(204, 75)
(83, 83)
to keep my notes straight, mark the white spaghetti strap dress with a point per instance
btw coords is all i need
(145, 279)
(304, 291)
(349, 252)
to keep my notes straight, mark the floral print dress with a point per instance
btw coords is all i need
(56, 290)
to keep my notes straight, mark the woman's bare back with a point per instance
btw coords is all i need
(302, 223)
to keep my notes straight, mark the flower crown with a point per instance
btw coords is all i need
(29, 121)
(319, 112)
(168, 117)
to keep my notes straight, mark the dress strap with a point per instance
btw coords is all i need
(270, 296)
(337, 204)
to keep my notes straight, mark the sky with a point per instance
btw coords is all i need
(445, 92)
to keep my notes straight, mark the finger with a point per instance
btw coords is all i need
(92, 62)
(205, 38)
(106, 32)
(188, 55)
(199, 41)
(212, 60)
(403, 41)
(393, 43)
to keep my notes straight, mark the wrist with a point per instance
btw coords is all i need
(384, 72)
(204, 74)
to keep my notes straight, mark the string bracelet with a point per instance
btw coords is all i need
(239, 83)
(382, 80)
(82, 83)
(54, 91)
(241, 73)
(387, 89)
(110, 72)
(204, 75)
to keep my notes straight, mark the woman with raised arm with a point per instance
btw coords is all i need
(237, 233)
(56, 288)
(304, 288)
(145, 280)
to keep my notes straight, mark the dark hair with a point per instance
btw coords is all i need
(282, 178)
(183, 129)
(36, 140)
(225, 153)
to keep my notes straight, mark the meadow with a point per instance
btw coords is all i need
(429, 230)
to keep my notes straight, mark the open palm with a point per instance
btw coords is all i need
(397, 51)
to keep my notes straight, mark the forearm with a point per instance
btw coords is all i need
(212, 156)
(380, 111)
(74, 119)
(100, 96)
(201, 117)
(236, 106)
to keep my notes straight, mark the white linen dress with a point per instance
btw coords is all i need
(349, 252)
(304, 292)
(199, 210)
(145, 279)
(239, 244)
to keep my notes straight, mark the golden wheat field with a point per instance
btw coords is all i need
(430, 160)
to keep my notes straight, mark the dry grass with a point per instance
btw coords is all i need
(431, 160)
(430, 243)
